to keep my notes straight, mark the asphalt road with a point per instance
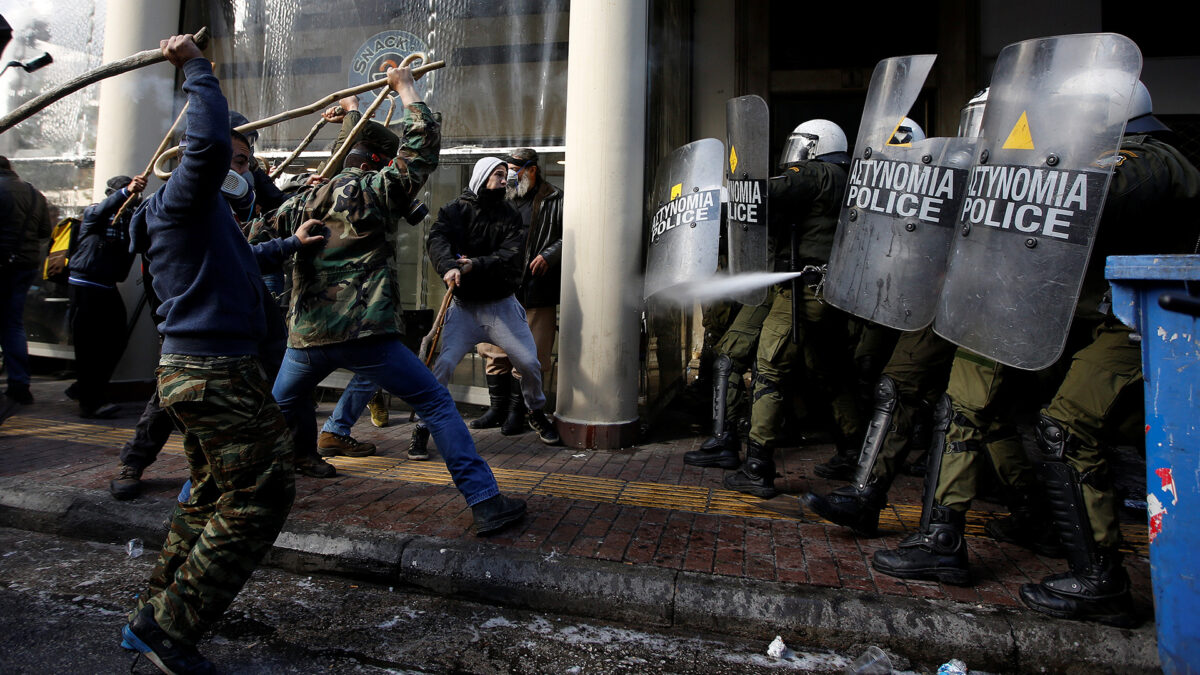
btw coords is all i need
(63, 601)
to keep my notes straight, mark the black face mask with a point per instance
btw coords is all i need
(490, 196)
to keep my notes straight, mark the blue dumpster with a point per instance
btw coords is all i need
(1151, 295)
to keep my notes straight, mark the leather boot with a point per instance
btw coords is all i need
(757, 474)
(1028, 526)
(853, 506)
(496, 513)
(722, 451)
(497, 412)
(841, 466)
(418, 445)
(937, 553)
(1097, 592)
(515, 422)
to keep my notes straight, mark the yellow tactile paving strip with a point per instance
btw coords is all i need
(690, 498)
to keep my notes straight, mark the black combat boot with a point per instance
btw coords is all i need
(853, 506)
(1098, 591)
(494, 416)
(516, 422)
(722, 451)
(496, 513)
(1028, 526)
(757, 474)
(937, 553)
(418, 444)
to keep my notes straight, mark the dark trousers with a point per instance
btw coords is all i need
(153, 429)
(97, 317)
(14, 286)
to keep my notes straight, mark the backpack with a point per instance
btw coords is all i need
(55, 268)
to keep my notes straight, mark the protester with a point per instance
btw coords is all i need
(100, 257)
(24, 231)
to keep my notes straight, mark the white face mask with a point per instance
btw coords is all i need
(512, 177)
(239, 193)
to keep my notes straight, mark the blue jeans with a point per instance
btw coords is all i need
(501, 323)
(350, 405)
(14, 287)
(386, 361)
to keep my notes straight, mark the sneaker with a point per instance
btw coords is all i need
(104, 412)
(331, 445)
(379, 410)
(496, 513)
(418, 444)
(144, 636)
(127, 484)
(314, 467)
(544, 427)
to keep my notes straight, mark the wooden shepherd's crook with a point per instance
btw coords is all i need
(142, 59)
(312, 133)
(162, 147)
(429, 343)
(335, 163)
(310, 108)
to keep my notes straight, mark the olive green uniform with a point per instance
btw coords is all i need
(808, 195)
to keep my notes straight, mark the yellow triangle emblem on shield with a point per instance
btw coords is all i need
(676, 190)
(1020, 138)
(732, 159)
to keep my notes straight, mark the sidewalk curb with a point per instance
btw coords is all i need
(922, 630)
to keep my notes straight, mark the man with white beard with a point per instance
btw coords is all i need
(540, 205)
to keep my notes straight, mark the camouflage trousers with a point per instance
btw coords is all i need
(239, 453)
(920, 367)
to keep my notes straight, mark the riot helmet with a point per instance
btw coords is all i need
(906, 132)
(970, 119)
(815, 139)
(1141, 113)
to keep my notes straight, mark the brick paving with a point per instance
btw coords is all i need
(48, 443)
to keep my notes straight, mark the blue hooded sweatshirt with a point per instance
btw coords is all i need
(213, 300)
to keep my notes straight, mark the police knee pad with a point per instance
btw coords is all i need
(1054, 440)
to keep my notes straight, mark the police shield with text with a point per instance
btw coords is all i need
(899, 211)
(684, 215)
(747, 168)
(1055, 113)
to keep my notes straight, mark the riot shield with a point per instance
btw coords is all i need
(684, 217)
(898, 214)
(1053, 123)
(747, 168)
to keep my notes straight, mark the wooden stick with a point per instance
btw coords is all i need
(335, 163)
(336, 96)
(299, 148)
(142, 59)
(387, 121)
(162, 147)
(429, 343)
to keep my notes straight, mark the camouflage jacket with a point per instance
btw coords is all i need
(345, 290)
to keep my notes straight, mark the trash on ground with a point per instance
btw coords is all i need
(953, 667)
(873, 661)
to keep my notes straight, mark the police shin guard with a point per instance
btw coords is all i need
(498, 391)
(857, 506)
(1097, 587)
(757, 474)
(938, 550)
(722, 448)
(515, 422)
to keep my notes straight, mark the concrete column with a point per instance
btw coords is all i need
(598, 342)
(136, 110)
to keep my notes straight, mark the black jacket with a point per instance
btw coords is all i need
(99, 247)
(545, 239)
(24, 222)
(491, 236)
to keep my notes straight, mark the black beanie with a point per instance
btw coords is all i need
(116, 183)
